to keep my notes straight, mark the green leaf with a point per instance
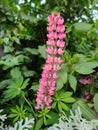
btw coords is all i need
(25, 83)
(86, 68)
(42, 51)
(54, 104)
(59, 84)
(19, 82)
(59, 106)
(39, 124)
(54, 118)
(4, 83)
(63, 94)
(13, 89)
(12, 115)
(14, 110)
(29, 73)
(34, 87)
(95, 2)
(15, 73)
(8, 49)
(63, 75)
(31, 51)
(96, 102)
(6, 40)
(68, 100)
(82, 26)
(72, 82)
(64, 106)
(11, 93)
(85, 109)
(45, 121)
(16, 40)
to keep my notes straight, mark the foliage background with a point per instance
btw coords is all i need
(22, 56)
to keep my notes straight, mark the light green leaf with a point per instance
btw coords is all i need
(72, 82)
(86, 68)
(59, 84)
(64, 106)
(15, 73)
(63, 94)
(54, 104)
(68, 100)
(42, 51)
(96, 102)
(6, 40)
(19, 82)
(31, 51)
(95, 2)
(59, 106)
(63, 75)
(85, 109)
(82, 26)
(29, 73)
(16, 40)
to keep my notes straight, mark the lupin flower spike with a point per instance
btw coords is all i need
(55, 45)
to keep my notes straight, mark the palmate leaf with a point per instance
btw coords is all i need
(61, 100)
(25, 83)
(15, 73)
(15, 88)
(11, 92)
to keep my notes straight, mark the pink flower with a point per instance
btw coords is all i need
(85, 81)
(60, 51)
(55, 45)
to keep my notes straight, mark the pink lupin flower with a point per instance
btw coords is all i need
(55, 45)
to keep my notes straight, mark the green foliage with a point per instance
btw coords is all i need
(74, 121)
(39, 124)
(17, 113)
(19, 125)
(86, 111)
(16, 86)
(86, 67)
(72, 82)
(62, 99)
(44, 114)
(96, 102)
(41, 50)
(23, 39)
(82, 26)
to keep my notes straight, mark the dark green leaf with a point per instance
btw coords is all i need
(39, 124)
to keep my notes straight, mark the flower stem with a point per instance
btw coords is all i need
(27, 101)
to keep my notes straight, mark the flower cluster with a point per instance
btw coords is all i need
(55, 45)
(85, 80)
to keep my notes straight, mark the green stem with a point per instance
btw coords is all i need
(92, 87)
(27, 101)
